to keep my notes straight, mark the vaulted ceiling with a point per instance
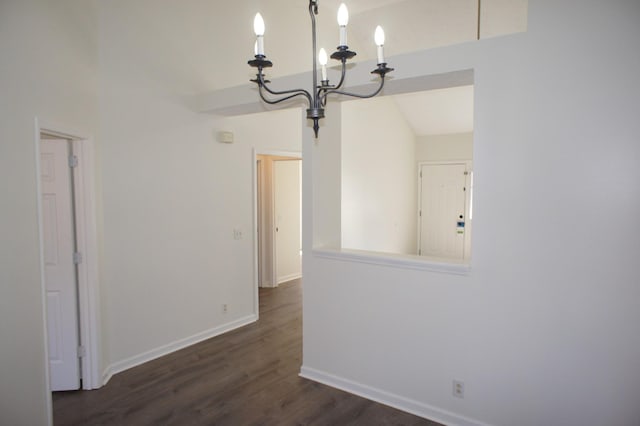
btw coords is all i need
(204, 45)
(199, 46)
(438, 112)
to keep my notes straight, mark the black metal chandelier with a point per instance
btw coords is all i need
(318, 99)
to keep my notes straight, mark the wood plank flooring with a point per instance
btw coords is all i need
(246, 377)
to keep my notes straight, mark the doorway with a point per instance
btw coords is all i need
(277, 192)
(444, 216)
(60, 260)
(68, 242)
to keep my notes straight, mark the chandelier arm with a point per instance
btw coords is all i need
(342, 75)
(277, 101)
(356, 95)
(295, 92)
(323, 96)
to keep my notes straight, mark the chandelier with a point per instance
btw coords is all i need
(318, 98)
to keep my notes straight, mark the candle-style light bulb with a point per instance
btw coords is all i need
(343, 20)
(322, 58)
(258, 25)
(379, 39)
(258, 28)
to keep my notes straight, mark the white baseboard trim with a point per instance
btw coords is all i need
(392, 400)
(289, 277)
(107, 374)
(133, 361)
(266, 284)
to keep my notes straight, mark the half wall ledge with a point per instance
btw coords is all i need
(400, 261)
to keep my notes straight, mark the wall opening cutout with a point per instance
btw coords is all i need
(407, 167)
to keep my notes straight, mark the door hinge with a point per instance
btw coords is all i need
(420, 173)
(77, 258)
(73, 161)
(420, 213)
(82, 352)
(419, 252)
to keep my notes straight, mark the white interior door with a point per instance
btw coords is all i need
(443, 210)
(60, 270)
(287, 219)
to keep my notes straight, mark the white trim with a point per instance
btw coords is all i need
(254, 234)
(87, 244)
(277, 153)
(107, 374)
(289, 277)
(43, 288)
(396, 401)
(273, 229)
(174, 346)
(400, 261)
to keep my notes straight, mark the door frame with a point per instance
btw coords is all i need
(467, 203)
(255, 152)
(82, 146)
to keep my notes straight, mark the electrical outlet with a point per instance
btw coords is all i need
(458, 389)
(237, 234)
(225, 308)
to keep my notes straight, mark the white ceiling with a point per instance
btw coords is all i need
(199, 46)
(438, 112)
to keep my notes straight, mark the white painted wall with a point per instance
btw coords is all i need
(287, 202)
(543, 329)
(500, 17)
(48, 70)
(378, 178)
(451, 147)
(172, 203)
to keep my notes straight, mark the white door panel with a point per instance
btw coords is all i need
(60, 271)
(443, 210)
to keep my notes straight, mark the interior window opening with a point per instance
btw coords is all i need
(407, 168)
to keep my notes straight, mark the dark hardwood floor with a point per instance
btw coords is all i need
(246, 377)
